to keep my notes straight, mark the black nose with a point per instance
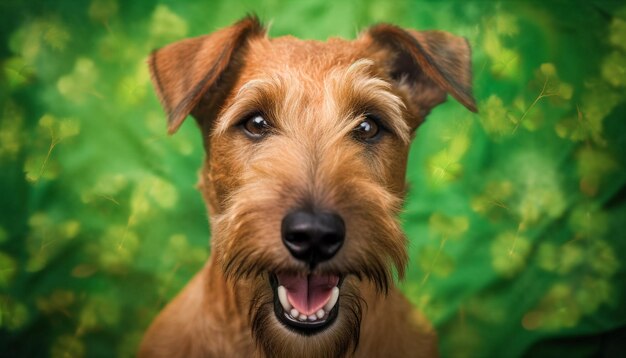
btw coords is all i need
(313, 237)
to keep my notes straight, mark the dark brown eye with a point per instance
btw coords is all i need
(256, 126)
(368, 130)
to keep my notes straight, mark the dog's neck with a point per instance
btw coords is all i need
(224, 302)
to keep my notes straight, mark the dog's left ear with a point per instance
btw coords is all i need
(430, 63)
(188, 74)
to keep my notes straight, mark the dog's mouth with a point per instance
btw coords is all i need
(306, 304)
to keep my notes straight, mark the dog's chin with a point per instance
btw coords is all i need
(306, 304)
(279, 333)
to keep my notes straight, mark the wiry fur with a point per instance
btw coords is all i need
(314, 94)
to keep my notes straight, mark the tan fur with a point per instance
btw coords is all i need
(314, 94)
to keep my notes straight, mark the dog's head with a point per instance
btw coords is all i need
(307, 145)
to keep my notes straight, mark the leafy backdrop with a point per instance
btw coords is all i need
(516, 215)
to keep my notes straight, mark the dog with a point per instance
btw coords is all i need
(304, 177)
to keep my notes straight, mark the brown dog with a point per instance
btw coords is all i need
(306, 152)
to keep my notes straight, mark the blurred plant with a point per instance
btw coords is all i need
(67, 346)
(53, 131)
(509, 252)
(505, 61)
(13, 314)
(445, 165)
(47, 239)
(11, 131)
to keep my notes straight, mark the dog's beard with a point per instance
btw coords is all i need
(273, 339)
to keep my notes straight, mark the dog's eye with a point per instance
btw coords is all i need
(368, 130)
(256, 126)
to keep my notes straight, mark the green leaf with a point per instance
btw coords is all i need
(12, 132)
(102, 10)
(602, 258)
(617, 33)
(59, 302)
(56, 36)
(495, 118)
(505, 61)
(13, 314)
(67, 346)
(166, 26)
(614, 69)
(80, 85)
(434, 260)
(117, 249)
(509, 252)
(593, 166)
(8, 269)
(448, 227)
(557, 309)
(493, 201)
(18, 72)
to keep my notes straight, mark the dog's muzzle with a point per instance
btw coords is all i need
(307, 303)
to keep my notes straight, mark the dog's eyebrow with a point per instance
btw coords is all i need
(363, 91)
(254, 95)
(250, 85)
(352, 91)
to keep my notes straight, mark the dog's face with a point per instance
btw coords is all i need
(307, 145)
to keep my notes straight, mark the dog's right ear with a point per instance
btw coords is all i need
(186, 72)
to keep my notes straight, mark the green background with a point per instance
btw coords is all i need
(515, 216)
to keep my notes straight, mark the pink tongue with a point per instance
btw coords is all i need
(308, 294)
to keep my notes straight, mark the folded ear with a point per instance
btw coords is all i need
(431, 63)
(186, 72)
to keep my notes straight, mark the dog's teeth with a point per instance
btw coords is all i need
(334, 295)
(320, 313)
(312, 318)
(294, 313)
(302, 317)
(282, 297)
